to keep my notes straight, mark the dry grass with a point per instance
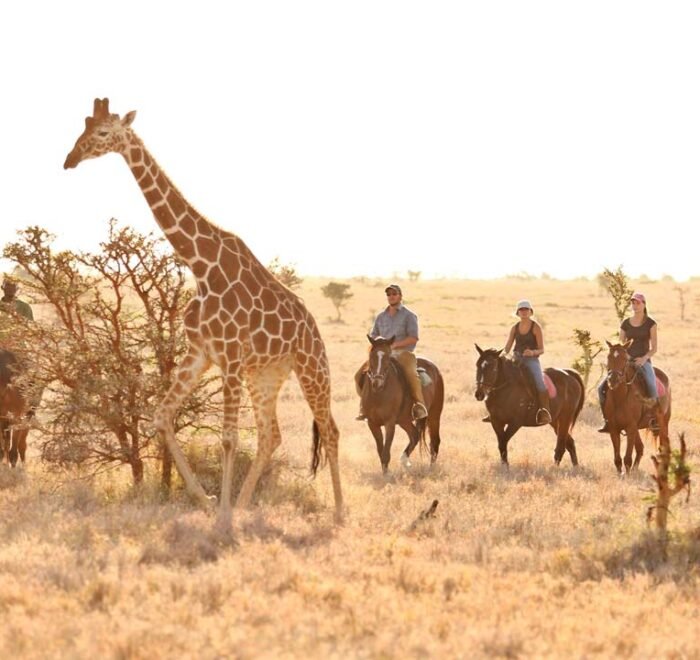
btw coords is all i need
(537, 561)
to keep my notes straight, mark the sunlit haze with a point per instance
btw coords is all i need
(462, 139)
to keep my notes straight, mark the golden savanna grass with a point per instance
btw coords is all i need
(536, 561)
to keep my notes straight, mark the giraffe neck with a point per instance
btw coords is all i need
(179, 221)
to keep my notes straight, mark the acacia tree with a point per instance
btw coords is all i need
(285, 273)
(109, 353)
(617, 284)
(338, 294)
(589, 350)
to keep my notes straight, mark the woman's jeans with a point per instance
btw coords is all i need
(532, 364)
(647, 373)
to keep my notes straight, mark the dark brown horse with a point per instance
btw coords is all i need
(627, 407)
(511, 404)
(13, 411)
(386, 401)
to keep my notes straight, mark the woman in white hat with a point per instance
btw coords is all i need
(527, 336)
(641, 329)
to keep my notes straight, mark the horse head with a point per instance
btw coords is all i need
(487, 371)
(379, 361)
(617, 362)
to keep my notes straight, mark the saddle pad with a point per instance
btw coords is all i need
(551, 389)
(424, 378)
(660, 387)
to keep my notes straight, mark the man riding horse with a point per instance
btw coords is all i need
(401, 323)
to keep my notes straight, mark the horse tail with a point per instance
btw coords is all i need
(577, 377)
(421, 426)
(316, 449)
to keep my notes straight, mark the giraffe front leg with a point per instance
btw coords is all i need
(184, 381)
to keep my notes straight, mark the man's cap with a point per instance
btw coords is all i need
(523, 304)
(395, 287)
(639, 297)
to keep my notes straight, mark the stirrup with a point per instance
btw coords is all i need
(605, 428)
(419, 411)
(543, 417)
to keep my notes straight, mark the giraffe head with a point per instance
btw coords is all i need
(103, 133)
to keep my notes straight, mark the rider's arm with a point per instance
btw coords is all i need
(406, 341)
(537, 331)
(511, 339)
(653, 342)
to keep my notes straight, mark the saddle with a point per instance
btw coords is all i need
(526, 378)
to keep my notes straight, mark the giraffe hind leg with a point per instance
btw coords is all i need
(264, 386)
(315, 384)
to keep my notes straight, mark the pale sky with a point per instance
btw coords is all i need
(467, 139)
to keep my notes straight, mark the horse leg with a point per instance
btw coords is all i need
(503, 437)
(639, 450)
(379, 439)
(5, 442)
(14, 437)
(560, 447)
(22, 444)
(631, 432)
(571, 448)
(390, 429)
(413, 437)
(434, 431)
(615, 438)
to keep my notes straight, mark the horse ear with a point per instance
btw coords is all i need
(479, 349)
(608, 343)
(627, 344)
(391, 339)
(371, 341)
(499, 353)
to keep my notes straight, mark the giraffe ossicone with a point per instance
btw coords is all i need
(242, 319)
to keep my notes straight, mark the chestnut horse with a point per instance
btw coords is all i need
(627, 407)
(13, 411)
(511, 405)
(386, 401)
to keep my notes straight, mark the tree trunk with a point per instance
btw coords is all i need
(166, 475)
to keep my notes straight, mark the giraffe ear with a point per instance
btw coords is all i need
(129, 118)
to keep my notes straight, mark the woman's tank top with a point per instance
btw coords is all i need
(528, 340)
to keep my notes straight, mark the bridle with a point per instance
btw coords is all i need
(378, 378)
(493, 371)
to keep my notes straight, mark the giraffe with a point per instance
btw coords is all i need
(242, 320)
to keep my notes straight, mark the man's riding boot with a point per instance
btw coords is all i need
(407, 360)
(543, 415)
(605, 428)
(653, 421)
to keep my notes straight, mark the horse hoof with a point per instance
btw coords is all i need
(405, 461)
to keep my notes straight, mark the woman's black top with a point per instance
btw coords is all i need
(640, 336)
(528, 340)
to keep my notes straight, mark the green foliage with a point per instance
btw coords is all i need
(589, 349)
(339, 294)
(109, 352)
(617, 285)
(285, 273)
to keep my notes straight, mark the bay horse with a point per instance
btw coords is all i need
(511, 405)
(386, 401)
(627, 406)
(14, 407)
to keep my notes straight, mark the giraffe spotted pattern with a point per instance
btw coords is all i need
(241, 319)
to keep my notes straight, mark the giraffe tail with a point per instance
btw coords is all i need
(317, 449)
